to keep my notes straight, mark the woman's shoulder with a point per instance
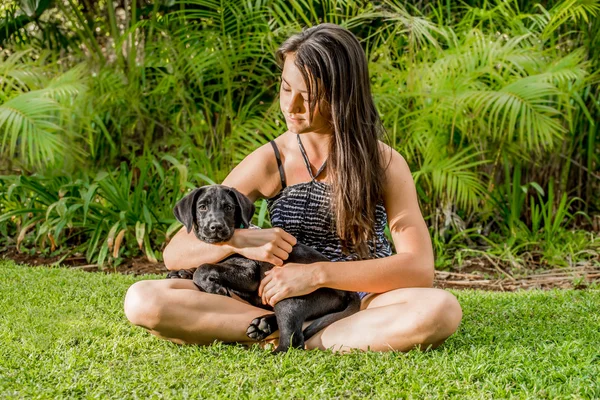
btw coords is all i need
(390, 157)
(266, 154)
(257, 175)
(285, 142)
(396, 169)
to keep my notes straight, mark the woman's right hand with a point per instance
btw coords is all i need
(272, 245)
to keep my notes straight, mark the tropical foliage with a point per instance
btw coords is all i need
(494, 104)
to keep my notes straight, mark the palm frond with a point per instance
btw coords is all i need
(570, 10)
(452, 178)
(524, 111)
(65, 87)
(30, 130)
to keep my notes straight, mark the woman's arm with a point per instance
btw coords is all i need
(411, 266)
(413, 263)
(256, 176)
(185, 251)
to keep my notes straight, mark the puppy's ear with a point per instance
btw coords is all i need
(185, 209)
(244, 211)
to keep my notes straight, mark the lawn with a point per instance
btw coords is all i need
(63, 335)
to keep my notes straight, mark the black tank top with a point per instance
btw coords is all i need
(304, 211)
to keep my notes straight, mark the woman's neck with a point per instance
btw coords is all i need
(316, 144)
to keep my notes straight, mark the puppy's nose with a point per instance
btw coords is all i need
(215, 226)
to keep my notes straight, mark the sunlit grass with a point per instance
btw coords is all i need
(64, 334)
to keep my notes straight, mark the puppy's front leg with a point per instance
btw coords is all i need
(225, 279)
(290, 324)
(208, 279)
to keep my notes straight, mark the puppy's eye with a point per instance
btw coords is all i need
(229, 207)
(202, 207)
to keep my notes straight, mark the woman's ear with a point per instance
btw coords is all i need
(325, 108)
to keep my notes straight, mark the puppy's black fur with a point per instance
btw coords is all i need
(213, 213)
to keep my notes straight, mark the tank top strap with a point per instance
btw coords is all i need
(279, 165)
(307, 163)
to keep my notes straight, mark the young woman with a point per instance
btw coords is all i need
(331, 184)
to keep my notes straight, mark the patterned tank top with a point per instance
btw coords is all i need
(304, 211)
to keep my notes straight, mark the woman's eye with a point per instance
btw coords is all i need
(289, 90)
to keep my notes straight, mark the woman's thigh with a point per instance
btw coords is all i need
(396, 320)
(176, 310)
(423, 296)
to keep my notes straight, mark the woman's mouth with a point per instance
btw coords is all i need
(295, 119)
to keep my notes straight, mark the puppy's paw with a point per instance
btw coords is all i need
(209, 281)
(262, 327)
(279, 350)
(180, 274)
(212, 288)
(220, 290)
(172, 275)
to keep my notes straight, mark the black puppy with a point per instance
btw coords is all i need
(213, 213)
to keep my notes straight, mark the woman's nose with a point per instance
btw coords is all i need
(295, 104)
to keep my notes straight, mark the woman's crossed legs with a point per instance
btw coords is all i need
(174, 309)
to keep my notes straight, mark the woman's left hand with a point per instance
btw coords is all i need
(291, 280)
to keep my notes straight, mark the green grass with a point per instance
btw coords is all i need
(63, 335)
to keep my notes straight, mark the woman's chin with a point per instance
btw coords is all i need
(296, 129)
(292, 128)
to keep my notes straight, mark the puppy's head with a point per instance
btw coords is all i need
(214, 212)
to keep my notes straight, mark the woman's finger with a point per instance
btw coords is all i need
(276, 298)
(263, 282)
(275, 261)
(267, 294)
(268, 291)
(281, 254)
(285, 246)
(288, 238)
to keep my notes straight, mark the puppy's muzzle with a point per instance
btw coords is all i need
(215, 232)
(216, 227)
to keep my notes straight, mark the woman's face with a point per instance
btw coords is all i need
(294, 102)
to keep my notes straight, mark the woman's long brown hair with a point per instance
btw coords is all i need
(335, 70)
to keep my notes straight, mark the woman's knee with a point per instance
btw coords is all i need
(142, 304)
(429, 320)
(441, 318)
